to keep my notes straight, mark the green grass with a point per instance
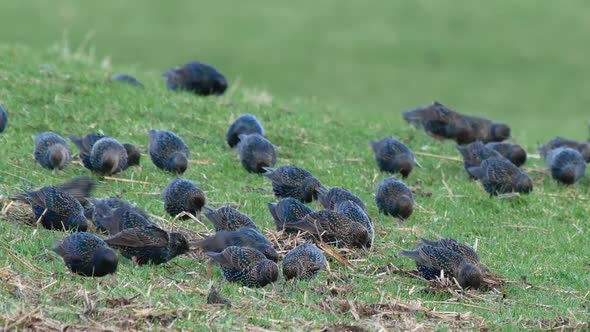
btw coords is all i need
(339, 74)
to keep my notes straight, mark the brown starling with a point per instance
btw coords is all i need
(566, 165)
(474, 153)
(51, 151)
(304, 262)
(500, 176)
(394, 156)
(168, 151)
(246, 266)
(101, 154)
(245, 124)
(215, 298)
(293, 181)
(88, 255)
(243, 237)
(582, 147)
(513, 152)
(461, 248)
(354, 212)
(287, 211)
(228, 219)
(329, 198)
(394, 198)
(256, 153)
(182, 195)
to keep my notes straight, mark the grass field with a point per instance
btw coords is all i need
(309, 72)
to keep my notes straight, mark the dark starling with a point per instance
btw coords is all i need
(246, 266)
(149, 244)
(101, 154)
(113, 221)
(334, 228)
(228, 219)
(51, 151)
(168, 151)
(88, 255)
(256, 153)
(441, 122)
(181, 195)
(304, 262)
(436, 258)
(3, 119)
(500, 176)
(99, 207)
(133, 155)
(293, 181)
(243, 237)
(461, 248)
(393, 156)
(56, 209)
(355, 213)
(245, 124)
(286, 211)
(513, 152)
(329, 198)
(196, 77)
(582, 147)
(80, 188)
(474, 153)
(125, 78)
(566, 164)
(394, 198)
(215, 298)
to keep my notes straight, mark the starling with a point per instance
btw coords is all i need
(334, 228)
(56, 209)
(500, 176)
(199, 78)
(293, 181)
(3, 119)
(582, 147)
(329, 198)
(464, 250)
(246, 266)
(355, 213)
(513, 152)
(394, 198)
(99, 207)
(215, 298)
(566, 164)
(245, 124)
(441, 122)
(125, 78)
(113, 221)
(101, 154)
(435, 258)
(228, 219)
(243, 237)
(182, 195)
(148, 244)
(133, 155)
(394, 156)
(80, 188)
(287, 211)
(51, 151)
(88, 255)
(256, 153)
(168, 151)
(474, 153)
(304, 262)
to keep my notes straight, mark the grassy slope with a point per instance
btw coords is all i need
(542, 236)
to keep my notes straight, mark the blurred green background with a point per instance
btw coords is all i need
(523, 62)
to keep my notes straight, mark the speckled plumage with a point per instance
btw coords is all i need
(329, 198)
(133, 155)
(113, 221)
(101, 154)
(293, 181)
(435, 258)
(256, 153)
(126, 78)
(3, 119)
(246, 266)
(245, 124)
(500, 176)
(56, 209)
(463, 249)
(228, 219)
(197, 77)
(51, 151)
(243, 237)
(559, 142)
(286, 211)
(88, 255)
(394, 198)
(149, 244)
(567, 165)
(474, 153)
(513, 152)
(393, 156)
(182, 195)
(304, 261)
(355, 213)
(335, 228)
(168, 151)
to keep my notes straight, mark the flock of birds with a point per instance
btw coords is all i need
(244, 254)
